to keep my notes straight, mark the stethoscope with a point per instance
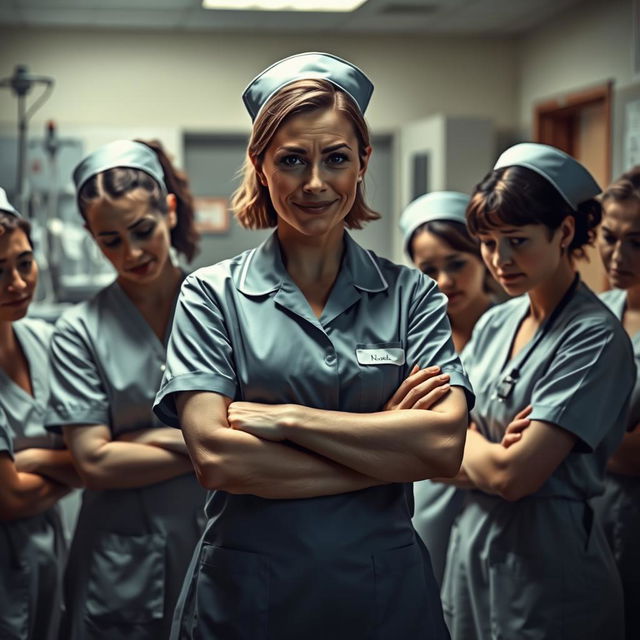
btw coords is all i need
(506, 385)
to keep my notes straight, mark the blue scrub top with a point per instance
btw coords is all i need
(568, 380)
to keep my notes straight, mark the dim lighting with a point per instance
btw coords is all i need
(342, 6)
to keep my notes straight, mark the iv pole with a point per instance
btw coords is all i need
(21, 83)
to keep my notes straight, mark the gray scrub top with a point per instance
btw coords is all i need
(616, 300)
(568, 380)
(108, 365)
(32, 549)
(244, 330)
(26, 413)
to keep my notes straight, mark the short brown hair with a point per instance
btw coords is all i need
(519, 196)
(251, 202)
(626, 187)
(9, 223)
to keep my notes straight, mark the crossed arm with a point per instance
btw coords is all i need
(23, 495)
(291, 451)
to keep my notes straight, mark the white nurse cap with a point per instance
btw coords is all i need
(120, 153)
(6, 206)
(438, 205)
(324, 66)
(572, 181)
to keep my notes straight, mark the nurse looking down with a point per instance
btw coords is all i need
(438, 243)
(33, 475)
(141, 513)
(527, 558)
(619, 506)
(278, 367)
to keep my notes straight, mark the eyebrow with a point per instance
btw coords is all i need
(133, 225)
(329, 149)
(24, 254)
(631, 233)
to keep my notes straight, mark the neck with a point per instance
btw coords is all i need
(546, 296)
(463, 322)
(633, 298)
(159, 290)
(7, 339)
(314, 259)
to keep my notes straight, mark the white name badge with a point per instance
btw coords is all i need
(390, 355)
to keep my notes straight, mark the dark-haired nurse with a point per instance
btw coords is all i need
(141, 513)
(527, 557)
(438, 243)
(619, 506)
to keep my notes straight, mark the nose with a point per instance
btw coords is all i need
(444, 280)
(502, 255)
(16, 281)
(617, 255)
(314, 182)
(132, 250)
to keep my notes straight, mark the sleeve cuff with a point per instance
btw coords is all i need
(60, 415)
(459, 379)
(575, 425)
(165, 407)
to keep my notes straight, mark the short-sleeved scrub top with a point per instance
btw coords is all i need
(540, 567)
(131, 547)
(32, 550)
(619, 506)
(343, 566)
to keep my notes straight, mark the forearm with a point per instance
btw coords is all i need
(626, 460)
(399, 446)
(239, 462)
(31, 494)
(126, 465)
(484, 463)
(162, 437)
(55, 464)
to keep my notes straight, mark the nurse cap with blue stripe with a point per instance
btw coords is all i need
(126, 154)
(572, 181)
(439, 205)
(301, 66)
(6, 206)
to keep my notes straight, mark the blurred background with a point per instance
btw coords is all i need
(456, 82)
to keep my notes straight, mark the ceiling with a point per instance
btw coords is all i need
(446, 17)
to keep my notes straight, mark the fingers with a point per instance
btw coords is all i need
(517, 426)
(415, 377)
(430, 396)
(524, 413)
(422, 390)
(510, 438)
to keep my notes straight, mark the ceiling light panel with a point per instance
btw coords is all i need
(335, 6)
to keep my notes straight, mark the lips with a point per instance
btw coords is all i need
(315, 207)
(17, 302)
(509, 278)
(141, 268)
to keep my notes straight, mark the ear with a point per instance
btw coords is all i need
(364, 162)
(172, 215)
(567, 231)
(257, 165)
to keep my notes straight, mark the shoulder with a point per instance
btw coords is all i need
(613, 298)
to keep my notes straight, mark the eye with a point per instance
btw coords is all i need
(112, 243)
(516, 242)
(25, 265)
(608, 238)
(144, 232)
(337, 158)
(430, 271)
(292, 160)
(456, 265)
(488, 244)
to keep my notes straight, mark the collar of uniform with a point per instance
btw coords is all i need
(262, 270)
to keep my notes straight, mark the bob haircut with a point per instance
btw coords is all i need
(251, 202)
(625, 188)
(518, 196)
(9, 223)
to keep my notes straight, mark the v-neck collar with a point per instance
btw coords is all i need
(134, 315)
(23, 340)
(262, 272)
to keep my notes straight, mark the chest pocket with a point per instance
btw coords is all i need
(381, 367)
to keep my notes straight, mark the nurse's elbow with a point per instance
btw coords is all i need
(512, 487)
(451, 450)
(210, 471)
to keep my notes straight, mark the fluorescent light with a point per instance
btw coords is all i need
(341, 6)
